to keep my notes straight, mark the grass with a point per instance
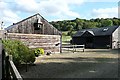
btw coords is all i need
(66, 38)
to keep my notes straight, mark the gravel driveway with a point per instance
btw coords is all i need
(88, 64)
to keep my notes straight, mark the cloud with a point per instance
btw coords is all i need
(101, 0)
(105, 12)
(7, 15)
(10, 16)
(47, 8)
(27, 5)
(14, 10)
(61, 9)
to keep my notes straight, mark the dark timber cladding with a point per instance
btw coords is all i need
(105, 37)
(36, 32)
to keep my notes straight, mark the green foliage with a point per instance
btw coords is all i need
(64, 34)
(38, 52)
(69, 27)
(20, 52)
(89, 25)
(106, 23)
(77, 24)
(70, 33)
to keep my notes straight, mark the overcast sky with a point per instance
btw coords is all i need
(12, 11)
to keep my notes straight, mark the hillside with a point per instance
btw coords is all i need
(77, 24)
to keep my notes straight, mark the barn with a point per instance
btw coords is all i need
(36, 32)
(105, 37)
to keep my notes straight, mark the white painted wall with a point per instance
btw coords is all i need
(116, 38)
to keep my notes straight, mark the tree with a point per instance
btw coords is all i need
(89, 25)
(69, 27)
(106, 23)
(116, 22)
(70, 33)
(79, 24)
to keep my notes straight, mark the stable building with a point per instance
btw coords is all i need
(105, 37)
(36, 32)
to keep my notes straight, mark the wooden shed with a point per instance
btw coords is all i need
(36, 32)
(105, 37)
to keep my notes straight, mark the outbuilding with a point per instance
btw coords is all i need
(36, 32)
(105, 37)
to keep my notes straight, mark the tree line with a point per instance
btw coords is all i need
(77, 24)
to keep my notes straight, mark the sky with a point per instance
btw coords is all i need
(12, 11)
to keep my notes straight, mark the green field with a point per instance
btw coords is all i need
(65, 37)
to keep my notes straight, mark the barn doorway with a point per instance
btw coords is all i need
(89, 42)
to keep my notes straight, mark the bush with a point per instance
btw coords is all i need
(64, 33)
(38, 52)
(70, 33)
(20, 52)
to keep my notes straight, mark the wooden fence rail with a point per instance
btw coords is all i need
(73, 47)
(9, 71)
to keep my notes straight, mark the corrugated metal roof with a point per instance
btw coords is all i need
(97, 31)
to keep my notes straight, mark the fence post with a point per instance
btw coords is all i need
(83, 48)
(7, 68)
(3, 64)
(73, 48)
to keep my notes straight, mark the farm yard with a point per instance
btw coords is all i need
(98, 60)
(93, 63)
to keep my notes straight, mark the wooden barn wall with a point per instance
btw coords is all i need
(101, 41)
(47, 42)
(27, 27)
(97, 41)
(115, 39)
(78, 40)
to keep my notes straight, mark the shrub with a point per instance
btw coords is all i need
(20, 52)
(64, 34)
(70, 33)
(38, 52)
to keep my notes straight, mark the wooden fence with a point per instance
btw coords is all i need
(73, 47)
(9, 71)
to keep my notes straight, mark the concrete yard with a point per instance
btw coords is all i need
(89, 64)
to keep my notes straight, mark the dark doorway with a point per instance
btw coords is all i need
(89, 42)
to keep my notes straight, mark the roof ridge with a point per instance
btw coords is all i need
(26, 19)
(98, 31)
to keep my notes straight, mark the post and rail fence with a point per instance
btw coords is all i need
(9, 70)
(73, 47)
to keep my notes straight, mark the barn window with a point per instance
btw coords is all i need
(37, 26)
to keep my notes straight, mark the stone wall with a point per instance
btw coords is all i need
(47, 42)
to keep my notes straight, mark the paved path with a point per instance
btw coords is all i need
(0, 61)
